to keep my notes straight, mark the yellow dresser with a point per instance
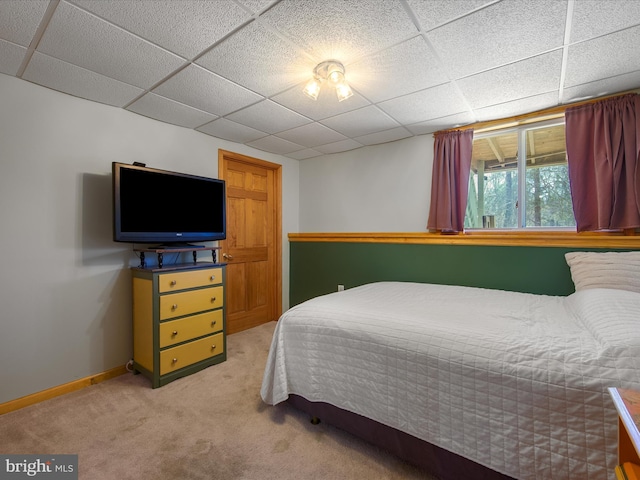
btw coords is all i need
(178, 320)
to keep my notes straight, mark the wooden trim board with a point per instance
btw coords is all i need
(63, 389)
(493, 238)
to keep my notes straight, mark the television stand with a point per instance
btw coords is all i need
(173, 246)
(161, 250)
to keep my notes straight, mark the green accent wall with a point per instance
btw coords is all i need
(316, 268)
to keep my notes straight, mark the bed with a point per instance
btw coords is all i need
(494, 383)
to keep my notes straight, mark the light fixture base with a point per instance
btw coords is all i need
(332, 72)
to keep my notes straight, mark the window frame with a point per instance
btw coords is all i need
(521, 132)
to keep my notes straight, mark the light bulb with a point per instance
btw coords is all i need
(343, 90)
(312, 89)
(335, 77)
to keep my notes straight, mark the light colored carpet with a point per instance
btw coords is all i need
(211, 425)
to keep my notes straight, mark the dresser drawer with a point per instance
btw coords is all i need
(171, 282)
(177, 331)
(192, 301)
(184, 355)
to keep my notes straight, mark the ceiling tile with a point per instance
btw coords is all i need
(327, 104)
(235, 69)
(201, 89)
(304, 154)
(592, 19)
(274, 144)
(499, 34)
(311, 135)
(442, 123)
(269, 117)
(64, 77)
(326, 28)
(228, 130)
(600, 88)
(427, 104)
(405, 68)
(186, 27)
(160, 108)
(517, 107)
(257, 6)
(603, 57)
(19, 20)
(520, 79)
(361, 122)
(82, 39)
(259, 60)
(431, 13)
(11, 56)
(343, 146)
(384, 137)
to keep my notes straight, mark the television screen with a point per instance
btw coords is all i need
(159, 206)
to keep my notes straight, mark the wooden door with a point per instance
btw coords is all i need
(252, 250)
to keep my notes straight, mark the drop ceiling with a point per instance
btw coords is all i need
(235, 69)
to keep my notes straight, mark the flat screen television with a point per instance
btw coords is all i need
(167, 208)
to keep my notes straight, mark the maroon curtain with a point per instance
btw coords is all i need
(603, 150)
(450, 182)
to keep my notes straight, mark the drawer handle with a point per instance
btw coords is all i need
(175, 360)
(213, 347)
(174, 306)
(213, 324)
(173, 283)
(213, 277)
(213, 299)
(174, 333)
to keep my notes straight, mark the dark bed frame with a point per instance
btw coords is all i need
(437, 461)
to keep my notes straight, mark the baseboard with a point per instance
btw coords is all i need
(53, 392)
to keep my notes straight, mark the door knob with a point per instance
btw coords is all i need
(227, 256)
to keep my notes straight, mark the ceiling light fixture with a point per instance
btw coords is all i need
(332, 72)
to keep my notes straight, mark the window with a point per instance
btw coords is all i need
(498, 198)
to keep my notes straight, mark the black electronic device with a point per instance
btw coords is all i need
(160, 206)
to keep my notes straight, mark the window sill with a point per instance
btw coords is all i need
(519, 238)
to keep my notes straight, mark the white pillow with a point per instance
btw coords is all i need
(617, 270)
(611, 316)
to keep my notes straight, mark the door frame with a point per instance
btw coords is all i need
(224, 155)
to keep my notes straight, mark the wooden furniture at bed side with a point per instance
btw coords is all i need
(627, 404)
(628, 471)
(178, 320)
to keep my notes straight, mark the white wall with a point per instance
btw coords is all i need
(383, 188)
(64, 284)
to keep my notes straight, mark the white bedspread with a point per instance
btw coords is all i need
(516, 382)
